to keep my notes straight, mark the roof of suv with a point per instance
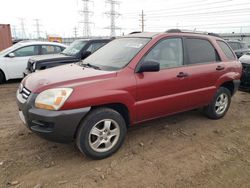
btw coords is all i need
(172, 31)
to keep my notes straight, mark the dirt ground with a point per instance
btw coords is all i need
(185, 150)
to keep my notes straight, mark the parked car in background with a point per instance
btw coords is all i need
(78, 50)
(240, 48)
(245, 79)
(13, 60)
(132, 79)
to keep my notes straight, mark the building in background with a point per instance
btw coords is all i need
(5, 36)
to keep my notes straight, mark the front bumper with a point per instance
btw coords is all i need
(58, 126)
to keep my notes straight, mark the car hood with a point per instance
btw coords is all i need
(64, 76)
(245, 59)
(52, 57)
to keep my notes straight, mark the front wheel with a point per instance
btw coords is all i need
(101, 133)
(220, 104)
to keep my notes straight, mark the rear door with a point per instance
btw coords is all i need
(204, 69)
(50, 49)
(163, 92)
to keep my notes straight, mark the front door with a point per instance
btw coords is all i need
(16, 65)
(164, 92)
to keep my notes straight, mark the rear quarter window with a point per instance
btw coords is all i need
(227, 51)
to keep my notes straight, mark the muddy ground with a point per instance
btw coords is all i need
(185, 150)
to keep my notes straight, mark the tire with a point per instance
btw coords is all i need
(101, 133)
(220, 104)
(2, 77)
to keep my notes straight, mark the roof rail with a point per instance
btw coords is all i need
(190, 31)
(135, 32)
(173, 31)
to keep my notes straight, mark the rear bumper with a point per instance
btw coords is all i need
(58, 126)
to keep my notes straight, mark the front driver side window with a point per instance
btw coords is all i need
(168, 53)
(27, 51)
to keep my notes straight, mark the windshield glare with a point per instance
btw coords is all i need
(74, 47)
(116, 54)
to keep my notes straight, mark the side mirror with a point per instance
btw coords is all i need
(148, 66)
(85, 54)
(11, 55)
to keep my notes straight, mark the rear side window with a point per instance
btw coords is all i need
(200, 51)
(50, 49)
(227, 51)
(234, 45)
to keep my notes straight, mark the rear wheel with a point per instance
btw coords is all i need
(220, 104)
(101, 133)
(2, 77)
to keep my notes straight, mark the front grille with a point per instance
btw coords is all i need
(24, 92)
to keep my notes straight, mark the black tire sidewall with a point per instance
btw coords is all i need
(86, 126)
(211, 109)
(2, 78)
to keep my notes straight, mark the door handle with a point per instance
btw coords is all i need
(182, 75)
(220, 68)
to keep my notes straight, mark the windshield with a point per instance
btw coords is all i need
(7, 50)
(74, 48)
(116, 54)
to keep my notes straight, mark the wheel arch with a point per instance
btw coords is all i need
(119, 107)
(229, 85)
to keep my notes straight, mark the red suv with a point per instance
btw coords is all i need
(132, 79)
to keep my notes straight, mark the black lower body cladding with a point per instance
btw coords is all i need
(245, 79)
(58, 126)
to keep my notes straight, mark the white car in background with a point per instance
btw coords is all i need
(13, 60)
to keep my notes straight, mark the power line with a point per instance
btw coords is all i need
(113, 14)
(213, 24)
(219, 12)
(181, 7)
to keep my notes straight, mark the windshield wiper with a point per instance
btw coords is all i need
(90, 65)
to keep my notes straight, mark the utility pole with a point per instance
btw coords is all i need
(113, 14)
(75, 32)
(37, 24)
(142, 20)
(86, 18)
(22, 28)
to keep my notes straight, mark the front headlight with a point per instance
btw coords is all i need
(53, 99)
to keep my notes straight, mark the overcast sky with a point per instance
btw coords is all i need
(59, 17)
